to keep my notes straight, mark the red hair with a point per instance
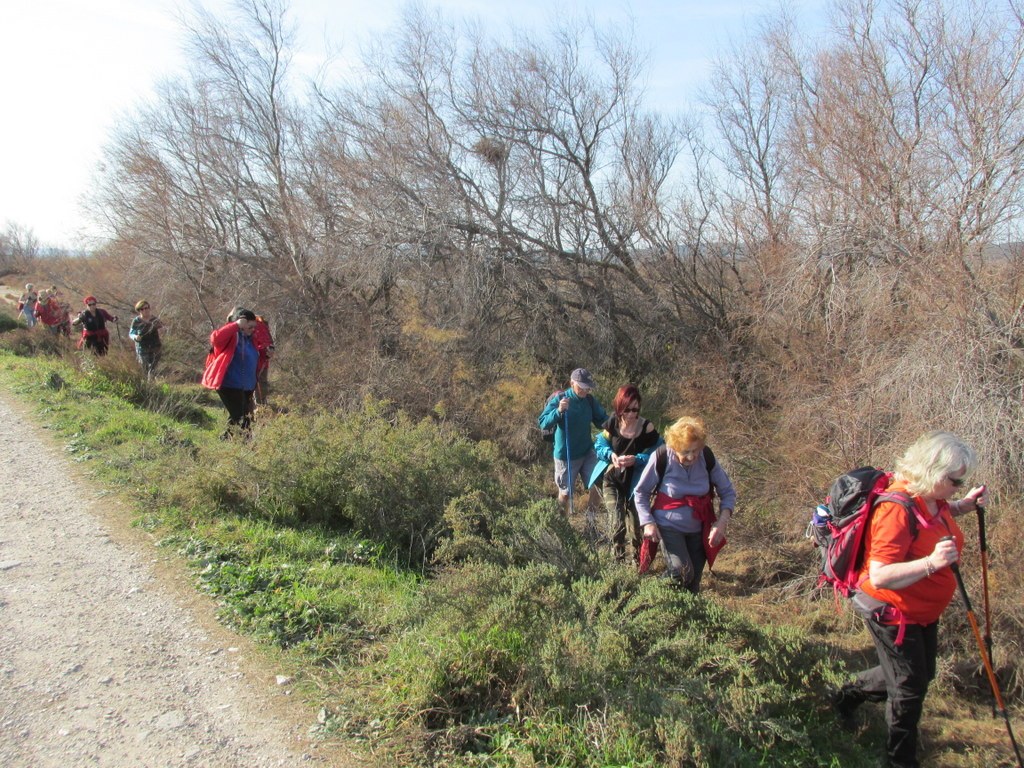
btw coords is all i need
(627, 395)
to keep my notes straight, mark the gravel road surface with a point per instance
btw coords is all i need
(107, 655)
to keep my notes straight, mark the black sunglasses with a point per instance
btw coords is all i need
(631, 410)
(956, 482)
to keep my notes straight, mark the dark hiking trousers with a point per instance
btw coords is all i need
(900, 680)
(684, 557)
(239, 405)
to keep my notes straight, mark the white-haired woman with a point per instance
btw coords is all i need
(911, 541)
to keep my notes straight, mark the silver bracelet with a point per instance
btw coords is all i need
(929, 568)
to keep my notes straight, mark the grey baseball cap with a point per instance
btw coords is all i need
(582, 377)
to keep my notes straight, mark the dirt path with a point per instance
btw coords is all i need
(107, 656)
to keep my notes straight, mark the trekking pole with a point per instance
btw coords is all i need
(985, 660)
(983, 548)
(568, 464)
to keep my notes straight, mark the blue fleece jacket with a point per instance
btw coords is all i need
(241, 373)
(582, 412)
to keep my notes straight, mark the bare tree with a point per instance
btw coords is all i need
(18, 247)
(208, 183)
(519, 179)
(886, 162)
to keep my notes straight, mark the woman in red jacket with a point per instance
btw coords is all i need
(231, 367)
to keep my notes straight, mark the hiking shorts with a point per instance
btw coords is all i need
(582, 467)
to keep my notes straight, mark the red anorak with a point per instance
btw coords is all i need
(223, 343)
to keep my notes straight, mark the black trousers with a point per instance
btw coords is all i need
(239, 405)
(900, 680)
(684, 557)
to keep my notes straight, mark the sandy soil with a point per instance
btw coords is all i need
(108, 657)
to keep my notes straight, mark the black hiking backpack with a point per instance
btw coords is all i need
(839, 525)
(661, 461)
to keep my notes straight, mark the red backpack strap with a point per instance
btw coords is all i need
(906, 501)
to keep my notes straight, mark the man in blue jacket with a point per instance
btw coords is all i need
(571, 413)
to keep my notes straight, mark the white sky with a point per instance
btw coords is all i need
(69, 68)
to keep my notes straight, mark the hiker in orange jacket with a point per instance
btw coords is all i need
(906, 572)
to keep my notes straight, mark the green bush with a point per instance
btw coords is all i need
(614, 670)
(26, 342)
(119, 374)
(370, 471)
(8, 323)
(479, 530)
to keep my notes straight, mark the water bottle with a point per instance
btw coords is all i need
(821, 516)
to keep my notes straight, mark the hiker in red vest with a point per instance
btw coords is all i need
(906, 572)
(677, 507)
(50, 313)
(95, 336)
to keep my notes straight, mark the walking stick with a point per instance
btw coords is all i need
(983, 547)
(986, 661)
(568, 464)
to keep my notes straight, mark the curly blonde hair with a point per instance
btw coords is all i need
(934, 456)
(684, 431)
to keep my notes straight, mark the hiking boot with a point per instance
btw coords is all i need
(845, 701)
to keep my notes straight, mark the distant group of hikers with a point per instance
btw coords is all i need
(47, 308)
(237, 365)
(663, 490)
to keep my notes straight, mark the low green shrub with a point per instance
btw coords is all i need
(371, 471)
(9, 323)
(480, 530)
(119, 374)
(613, 670)
(30, 342)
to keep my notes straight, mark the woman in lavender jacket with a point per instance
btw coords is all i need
(678, 508)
